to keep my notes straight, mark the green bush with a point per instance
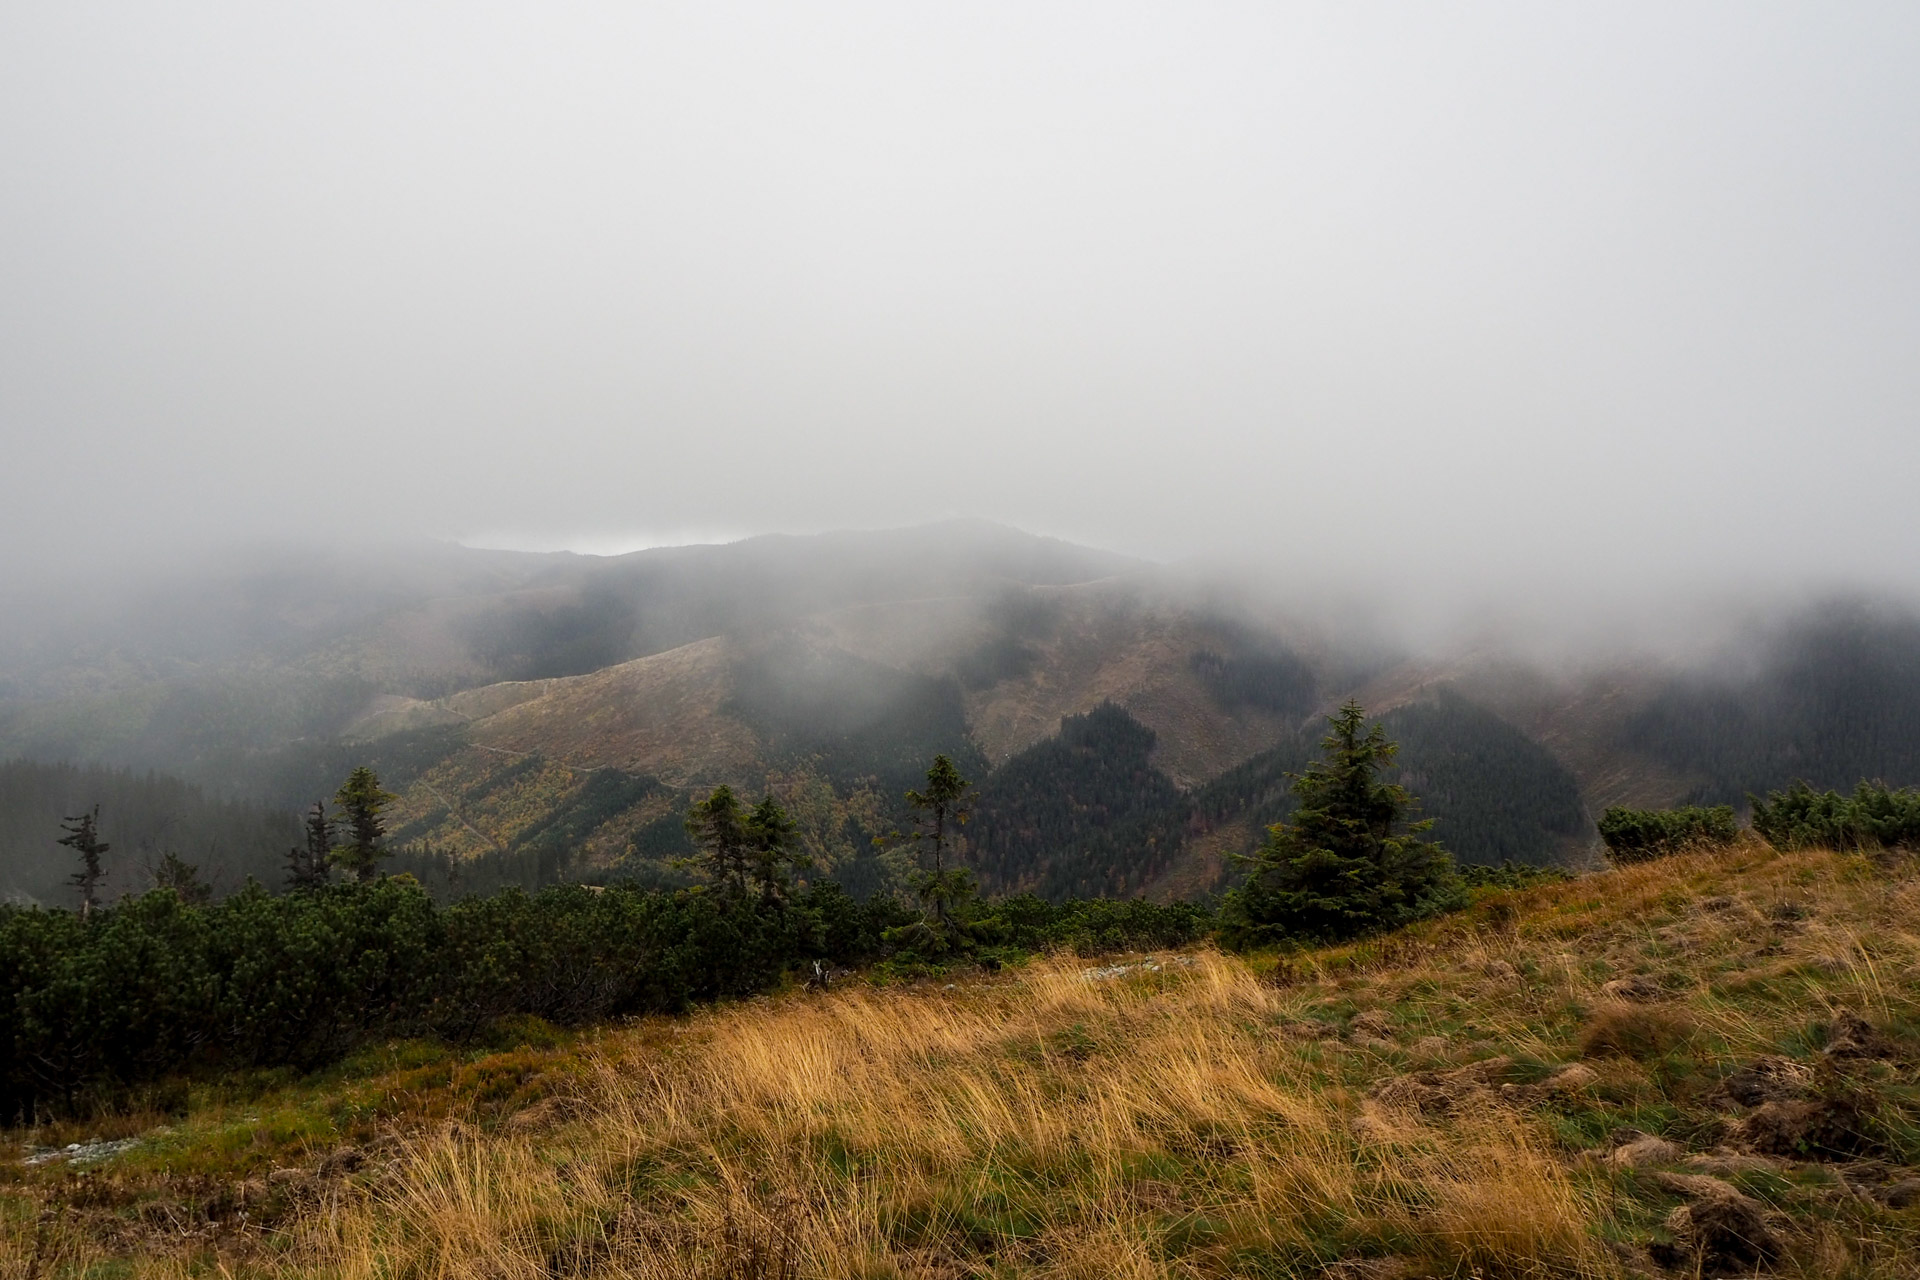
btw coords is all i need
(1874, 816)
(1641, 835)
(154, 987)
(1031, 923)
(1510, 875)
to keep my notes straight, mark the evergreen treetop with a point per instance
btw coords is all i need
(718, 826)
(181, 876)
(361, 802)
(945, 892)
(307, 865)
(947, 802)
(771, 855)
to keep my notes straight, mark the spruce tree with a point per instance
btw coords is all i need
(307, 865)
(718, 826)
(945, 892)
(1348, 863)
(83, 837)
(361, 802)
(771, 856)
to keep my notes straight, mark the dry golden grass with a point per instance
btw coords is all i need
(1210, 1117)
(1148, 1125)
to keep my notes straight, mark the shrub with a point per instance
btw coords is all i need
(1874, 816)
(1088, 925)
(94, 1009)
(1640, 835)
(1619, 1030)
(1510, 875)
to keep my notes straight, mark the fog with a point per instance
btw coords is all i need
(1496, 303)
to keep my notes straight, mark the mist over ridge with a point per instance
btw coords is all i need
(549, 715)
(1542, 379)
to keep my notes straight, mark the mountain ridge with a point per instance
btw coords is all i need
(492, 688)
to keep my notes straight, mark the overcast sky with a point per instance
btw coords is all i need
(1511, 291)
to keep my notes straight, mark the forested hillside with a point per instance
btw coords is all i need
(1084, 812)
(144, 817)
(1833, 698)
(1493, 793)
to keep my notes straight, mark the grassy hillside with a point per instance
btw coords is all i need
(1703, 1064)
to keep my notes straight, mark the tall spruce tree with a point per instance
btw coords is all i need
(718, 826)
(1348, 863)
(361, 803)
(771, 856)
(83, 837)
(940, 811)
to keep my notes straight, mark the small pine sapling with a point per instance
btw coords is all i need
(181, 876)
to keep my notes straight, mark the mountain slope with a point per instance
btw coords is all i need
(1696, 1066)
(545, 715)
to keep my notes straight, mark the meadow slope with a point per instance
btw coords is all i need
(1705, 1063)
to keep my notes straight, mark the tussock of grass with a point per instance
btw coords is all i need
(1218, 1117)
(1616, 1029)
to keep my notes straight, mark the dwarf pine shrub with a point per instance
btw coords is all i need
(1873, 816)
(1640, 835)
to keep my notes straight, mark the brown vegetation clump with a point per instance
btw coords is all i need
(1849, 1035)
(1768, 1078)
(1617, 1029)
